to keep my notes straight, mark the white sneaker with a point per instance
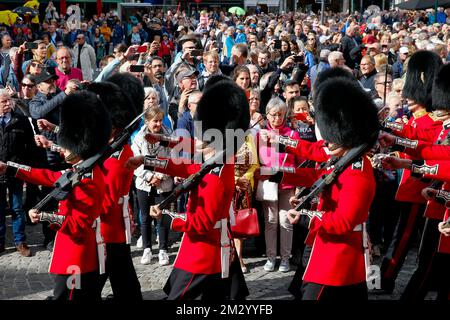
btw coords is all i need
(139, 243)
(284, 265)
(163, 258)
(147, 256)
(270, 264)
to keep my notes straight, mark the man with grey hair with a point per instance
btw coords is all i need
(336, 59)
(16, 144)
(84, 57)
(318, 68)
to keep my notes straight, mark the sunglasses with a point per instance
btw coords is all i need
(28, 85)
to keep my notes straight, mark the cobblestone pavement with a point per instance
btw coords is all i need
(27, 278)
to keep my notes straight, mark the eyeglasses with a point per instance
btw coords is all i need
(27, 85)
(389, 83)
(276, 115)
(36, 65)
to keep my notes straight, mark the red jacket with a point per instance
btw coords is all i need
(118, 180)
(75, 243)
(433, 210)
(409, 189)
(209, 202)
(337, 256)
(439, 170)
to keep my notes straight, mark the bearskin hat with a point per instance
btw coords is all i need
(223, 106)
(119, 105)
(131, 86)
(345, 113)
(422, 68)
(441, 89)
(85, 124)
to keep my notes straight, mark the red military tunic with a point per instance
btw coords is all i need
(424, 133)
(314, 151)
(427, 150)
(409, 189)
(75, 242)
(118, 180)
(209, 202)
(337, 256)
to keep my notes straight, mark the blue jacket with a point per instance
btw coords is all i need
(397, 70)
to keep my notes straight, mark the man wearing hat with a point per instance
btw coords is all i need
(46, 104)
(422, 69)
(397, 67)
(203, 263)
(78, 251)
(115, 217)
(422, 147)
(183, 59)
(186, 79)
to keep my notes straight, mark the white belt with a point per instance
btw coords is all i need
(101, 248)
(126, 217)
(225, 248)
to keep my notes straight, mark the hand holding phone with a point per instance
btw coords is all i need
(137, 68)
(277, 44)
(31, 46)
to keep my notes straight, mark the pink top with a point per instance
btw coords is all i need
(270, 158)
(74, 73)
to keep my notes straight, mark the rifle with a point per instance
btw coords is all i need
(65, 183)
(190, 182)
(327, 179)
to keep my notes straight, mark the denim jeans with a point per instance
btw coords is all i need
(15, 191)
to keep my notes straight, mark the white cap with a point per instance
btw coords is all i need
(404, 50)
(323, 39)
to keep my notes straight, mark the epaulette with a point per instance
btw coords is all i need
(358, 164)
(433, 116)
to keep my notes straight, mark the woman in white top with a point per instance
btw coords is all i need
(152, 187)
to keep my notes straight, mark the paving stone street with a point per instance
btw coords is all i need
(24, 278)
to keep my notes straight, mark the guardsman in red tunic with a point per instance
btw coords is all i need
(429, 258)
(422, 68)
(115, 217)
(346, 118)
(78, 251)
(202, 266)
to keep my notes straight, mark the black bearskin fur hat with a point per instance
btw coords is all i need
(441, 89)
(131, 86)
(118, 104)
(345, 113)
(85, 124)
(422, 69)
(223, 106)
